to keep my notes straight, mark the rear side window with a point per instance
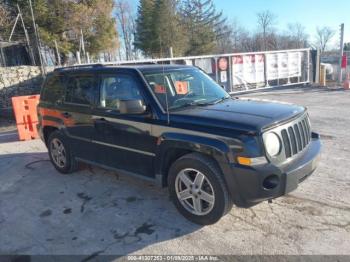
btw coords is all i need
(53, 89)
(116, 88)
(81, 90)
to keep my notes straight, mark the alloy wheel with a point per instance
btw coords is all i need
(194, 191)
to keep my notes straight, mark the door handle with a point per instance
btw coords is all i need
(66, 115)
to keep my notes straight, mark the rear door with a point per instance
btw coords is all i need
(124, 141)
(80, 95)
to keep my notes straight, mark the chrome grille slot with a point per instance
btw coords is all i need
(296, 136)
(286, 143)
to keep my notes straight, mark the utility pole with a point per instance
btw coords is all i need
(57, 54)
(341, 52)
(27, 37)
(36, 37)
(13, 28)
(171, 54)
(82, 44)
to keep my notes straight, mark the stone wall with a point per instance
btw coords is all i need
(18, 81)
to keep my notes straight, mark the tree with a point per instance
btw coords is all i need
(63, 21)
(298, 36)
(159, 27)
(126, 22)
(145, 27)
(5, 21)
(204, 26)
(168, 30)
(323, 36)
(266, 21)
(237, 33)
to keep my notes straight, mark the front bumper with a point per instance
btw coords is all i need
(259, 183)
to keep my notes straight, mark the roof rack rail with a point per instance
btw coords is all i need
(78, 67)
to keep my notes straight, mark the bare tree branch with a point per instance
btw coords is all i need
(266, 21)
(323, 36)
(126, 21)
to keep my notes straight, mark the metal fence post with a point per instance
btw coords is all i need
(216, 69)
(265, 71)
(308, 66)
(230, 74)
(317, 67)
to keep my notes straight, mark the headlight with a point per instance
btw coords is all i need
(272, 144)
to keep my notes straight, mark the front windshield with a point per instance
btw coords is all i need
(185, 87)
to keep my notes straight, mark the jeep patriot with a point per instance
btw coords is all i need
(174, 125)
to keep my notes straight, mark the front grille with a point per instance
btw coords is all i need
(296, 136)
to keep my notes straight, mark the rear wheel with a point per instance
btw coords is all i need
(198, 189)
(60, 153)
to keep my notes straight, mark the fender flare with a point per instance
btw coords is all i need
(219, 150)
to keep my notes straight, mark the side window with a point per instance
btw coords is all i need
(117, 88)
(81, 90)
(53, 89)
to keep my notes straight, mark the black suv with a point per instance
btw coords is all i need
(174, 125)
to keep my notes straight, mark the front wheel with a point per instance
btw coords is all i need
(198, 190)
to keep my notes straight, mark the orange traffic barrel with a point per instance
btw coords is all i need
(25, 110)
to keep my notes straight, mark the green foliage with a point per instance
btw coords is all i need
(144, 39)
(5, 21)
(199, 19)
(63, 21)
(190, 27)
(168, 30)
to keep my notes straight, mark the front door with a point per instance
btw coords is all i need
(76, 111)
(123, 141)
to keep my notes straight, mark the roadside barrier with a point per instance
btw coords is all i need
(25, 110)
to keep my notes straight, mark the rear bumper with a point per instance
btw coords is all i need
(264, 182)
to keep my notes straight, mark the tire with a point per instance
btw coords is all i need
(195, 205)
(68, 166)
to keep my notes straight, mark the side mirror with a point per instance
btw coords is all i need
(132, 107)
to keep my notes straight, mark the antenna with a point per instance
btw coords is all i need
(166, 91)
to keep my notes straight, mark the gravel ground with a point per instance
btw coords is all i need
(95, 212)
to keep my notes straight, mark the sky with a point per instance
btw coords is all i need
(309, 13)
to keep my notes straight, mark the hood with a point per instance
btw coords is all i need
(242, 113)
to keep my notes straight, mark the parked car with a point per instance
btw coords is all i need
(175, 126)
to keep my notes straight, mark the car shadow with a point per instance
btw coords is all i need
(92, 212)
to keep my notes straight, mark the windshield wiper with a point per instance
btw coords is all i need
(192, 103)
(214, 102)
(199, 103)
(221, 100)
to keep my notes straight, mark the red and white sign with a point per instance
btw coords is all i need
(260, 68)
(248, 69)
(283, 71)
(237, 70)
(272, 66)
(294, 64)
